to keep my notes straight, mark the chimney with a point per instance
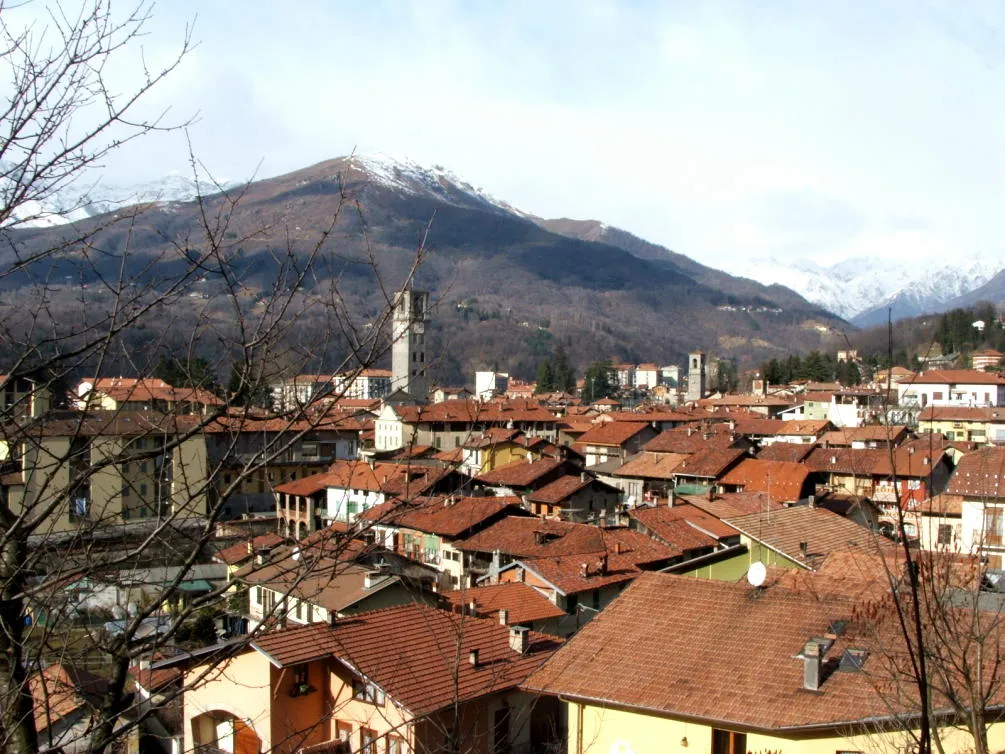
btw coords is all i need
(812, 666)
(472, 608)
(804, 547)
(251, 547)
(603, 563)
(473, 658)
(582, 476)
(812, 501)
(584, 570)
(672, 498)
(711, 493)
(503, 617)
(372, 464)
(519, 639)
(372, 578)
(617, 548)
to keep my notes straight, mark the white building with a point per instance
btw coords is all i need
(647, 376)
(952, 387)
(490, 384)
(366, 384)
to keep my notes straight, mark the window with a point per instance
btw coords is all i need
(143, 467)
(937, 395)
(395, 744)
(126, 491)
(258, 595)
(301, 681)
(143, 490)
(298, 611)
(728, 742)
(945, 534)
(367, 692)
(367, 741)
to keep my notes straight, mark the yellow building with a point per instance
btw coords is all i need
(679, 665)
(387, 681)
(980, 424)
(106, 468)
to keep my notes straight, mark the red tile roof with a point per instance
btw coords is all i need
(908, 460)
(522, 603)
(706, 650)
(615, 433)
(962, 413)
(409, 653)
(520, 473)
(683, 526)
(786, 531)
(785, 451)
(730, 504)
(691, 439)
(477, 412)
(980, 474)
(445, 515)
(389, 478)
(957, 377)
(784, 481)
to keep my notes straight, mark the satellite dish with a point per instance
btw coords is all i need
(756, 573)
(296, 555)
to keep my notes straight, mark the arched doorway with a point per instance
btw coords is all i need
(219, 732)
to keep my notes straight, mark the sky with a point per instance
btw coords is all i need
(727, 131)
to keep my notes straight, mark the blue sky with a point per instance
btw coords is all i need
(724, 130)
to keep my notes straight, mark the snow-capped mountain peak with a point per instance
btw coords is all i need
(853, 288)
(406, 176)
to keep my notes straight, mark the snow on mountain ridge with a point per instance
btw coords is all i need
(854, 286)
(407, 176)
(82, 200)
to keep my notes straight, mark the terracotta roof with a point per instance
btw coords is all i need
(61, 689)
(615, 433)
(154, 679)
(651, 466)
(533, 537)
(446, 515)
(850, 575)
(813, 427)
(785, 451)
(651, 415)
(729, 504)
(477, 412)
(492, 436)
(242, 551)
(746, 400)
(783, 480)
(561, 489)
(684, 526)
(710, 652)
(943, 505)
(875, 461)
(389, 478)
(787, 530)
(957, 377)
(690, 439)
(710, 464)
(868, 433)
(522, 603)
(519, 473)
(980, 474)
(962, 413)
(403, 649)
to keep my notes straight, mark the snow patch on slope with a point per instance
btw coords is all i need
(408, 177)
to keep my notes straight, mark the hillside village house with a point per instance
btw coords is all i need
(978, 424)
(980, 482)
(107, 468)
(425, 529)
(987, 359)
(513, 603)
(378, 681)
(614, 440)
(143, 394)
(352, 487)
(363, 384)
(497, 447)
(953, 387)
(647, 376)
(719, 670)
(582, 498)
(450, 424)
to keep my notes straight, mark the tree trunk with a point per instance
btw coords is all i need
(17, 718)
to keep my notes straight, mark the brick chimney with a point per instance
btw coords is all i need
(503, 617)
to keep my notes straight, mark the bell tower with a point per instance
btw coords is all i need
(408, 350)
(696, 372)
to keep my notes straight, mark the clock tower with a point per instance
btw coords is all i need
(409, 364)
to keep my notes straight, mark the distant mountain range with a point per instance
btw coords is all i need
(863, 290)
(509, 286)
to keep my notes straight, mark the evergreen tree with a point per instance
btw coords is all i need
(545, 377)
(563, 376)
(600, 382)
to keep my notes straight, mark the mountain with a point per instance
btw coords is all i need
(509, 287)
(862, 290)
(84, 200)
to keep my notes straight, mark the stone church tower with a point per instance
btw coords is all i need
(409, 362)
(696, 372)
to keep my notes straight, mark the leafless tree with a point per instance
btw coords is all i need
(105, 295)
